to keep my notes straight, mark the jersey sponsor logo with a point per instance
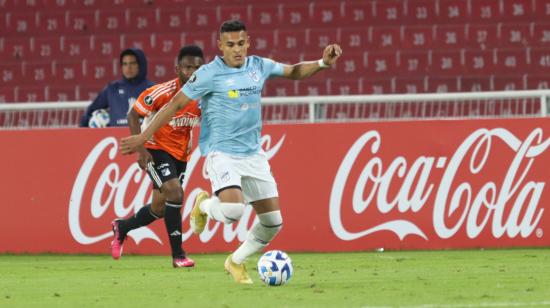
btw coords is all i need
(148, 100)
(233, 93)
(188, 120)
(254, 76)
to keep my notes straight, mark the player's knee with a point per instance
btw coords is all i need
(232, 211)
(269, 226)
(173, 193)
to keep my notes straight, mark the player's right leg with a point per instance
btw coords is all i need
(143, 217)
(227, 204)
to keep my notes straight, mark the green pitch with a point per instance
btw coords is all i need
(490, 278)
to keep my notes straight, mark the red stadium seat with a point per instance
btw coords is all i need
(289, 40)
(82, 22)
(15, 48)
(413, 63)
(144, 42)
(541, 35)
(508, 83)
(295, 15)
(47, 47)
(99, 71)
(88, 92)
(353, 64)
(537, 81)
(60, 93)
(443, 84)
(421, 12)
(482, 35)
(512, 61)
(52, 22)
(378, 64)
(143, 20)
(261, 42)
(485, 10)
(21, 23)
(475, 84)
(39, 72)
(320, 38)
(280, 87)
(112, 20)
(327, 14)
(162, 68)
(388, 12)
(76, 47)
(540, 60)
(339, 86)
(203, 17)
(172, 19)
(385, 38)
(453, 11)
(418, 37)
(205, 40)
(312, 87)
(108, 46)
(358, 13)
(517, 10)
(12, 74)
(377, 86)
(411, 85)
(446, 63)
(354, 39)
(31, 94)
(514, 35)
(264, 15)
(450, 36)
(241, 12)
(168, 44)
(479, 62)
(72, 71)
(541, 9)
(7, 94)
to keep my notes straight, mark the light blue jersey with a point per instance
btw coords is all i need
(230, 102)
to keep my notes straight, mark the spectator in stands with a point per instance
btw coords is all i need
(119, 95)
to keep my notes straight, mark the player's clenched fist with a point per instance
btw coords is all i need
(331, 54)
(131, 144)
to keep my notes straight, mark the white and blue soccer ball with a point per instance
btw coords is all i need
(275, 268)
(99, 119)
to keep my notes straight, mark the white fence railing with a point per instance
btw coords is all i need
(505, 104)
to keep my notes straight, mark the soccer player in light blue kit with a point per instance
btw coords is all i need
(230, 90)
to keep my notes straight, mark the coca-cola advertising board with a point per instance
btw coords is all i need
(343, 187)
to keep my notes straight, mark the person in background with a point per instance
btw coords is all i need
(119, 95)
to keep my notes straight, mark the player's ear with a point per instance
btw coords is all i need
(220, 45)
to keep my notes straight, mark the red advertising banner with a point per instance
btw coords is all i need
(343, 187)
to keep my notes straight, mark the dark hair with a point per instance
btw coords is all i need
(233, 25)
(190, 50)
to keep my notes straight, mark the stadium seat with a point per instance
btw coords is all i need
(379, 64)
(413, 63)
(288, 40)
(278, 87)
(385, 38)
(21, 23)
(512, 61)
(541, 10)
(318, 39)
(39, 72)
(47, 47)
(227, 12)
(485, 10)
(411, 84)
(418, 37)
(354, 39)
(143, 20)
(329, 14)
(7, 94)
(82, 22)
(514, 35)
(450, 36)
(31, 94)
(11, 74)
(540, 60)
(171, 19)
(15, 48)
(517, 10)
(446, 63)
(205, 40)
(358, 13)
(72, 71)
(261, 42)
(482, 35)
(388, 12)
(202, 17)
(167, 44)
(479, 62)
(443, 84)
(51, 22)
(452, 12)
(377, 86)
(317, 86)
(475, 84)
(162, 68)
(541, 35)
(296, 15)
(76, 47)
(339, 86)
(421, 12)
(144, 42)
(88, 92)
(60, 93)
(508, 83)
(108, 46)
(537, 81)
(264, 15)
(99, 70)
(112, 20)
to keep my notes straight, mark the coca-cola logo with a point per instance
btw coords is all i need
(110, 190)
(514, 193)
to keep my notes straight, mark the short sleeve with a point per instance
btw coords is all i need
(144, 104)
(198, 84)
(272, 68)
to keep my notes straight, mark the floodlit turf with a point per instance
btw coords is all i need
(490, 278)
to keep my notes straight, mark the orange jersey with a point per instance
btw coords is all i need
(175, 136)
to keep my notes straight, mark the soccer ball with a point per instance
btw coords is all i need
(275, 268)
(99, 119)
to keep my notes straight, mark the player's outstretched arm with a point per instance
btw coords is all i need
(307, 68)
(131, 144)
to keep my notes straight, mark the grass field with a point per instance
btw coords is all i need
(484, 278)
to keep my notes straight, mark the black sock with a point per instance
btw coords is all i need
(172, 220)
(142, 218)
